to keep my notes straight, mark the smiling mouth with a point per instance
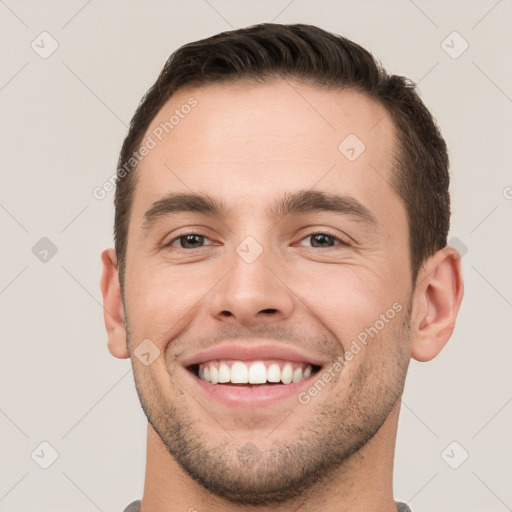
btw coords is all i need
(255, 373)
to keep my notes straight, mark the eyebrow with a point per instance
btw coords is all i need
(301, 202)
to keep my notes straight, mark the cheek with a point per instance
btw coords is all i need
(344, 298)
(161, 300)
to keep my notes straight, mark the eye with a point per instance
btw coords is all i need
(188, 241)
(325, 240)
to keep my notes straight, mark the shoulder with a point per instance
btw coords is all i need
(134, 506)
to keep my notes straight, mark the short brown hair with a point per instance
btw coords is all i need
(307, 53)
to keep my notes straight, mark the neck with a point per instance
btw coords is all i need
(362, 483)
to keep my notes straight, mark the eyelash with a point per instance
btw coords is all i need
(342, 241)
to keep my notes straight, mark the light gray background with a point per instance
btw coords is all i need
(63, 120)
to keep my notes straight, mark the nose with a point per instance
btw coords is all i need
(251, 293)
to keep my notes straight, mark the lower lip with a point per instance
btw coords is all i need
(250, 397)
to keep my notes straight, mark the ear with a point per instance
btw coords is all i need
(437, 298)
(113, 310)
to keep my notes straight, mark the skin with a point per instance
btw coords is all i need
(251, 145)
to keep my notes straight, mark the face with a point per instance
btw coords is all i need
(298, 255)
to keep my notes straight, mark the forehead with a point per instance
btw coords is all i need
(234, 119)
(257, 142)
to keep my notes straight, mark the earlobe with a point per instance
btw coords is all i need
(113, 310)
(439, 294)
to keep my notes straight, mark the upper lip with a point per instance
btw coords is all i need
(250, 350)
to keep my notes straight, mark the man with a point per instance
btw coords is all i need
(282, 211)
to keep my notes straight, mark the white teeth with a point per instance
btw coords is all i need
(239, 373)
(224, 373)
(287, 374)
(274, 373)
(297, 375)
(256, 372)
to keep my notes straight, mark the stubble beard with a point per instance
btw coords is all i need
(245, 475)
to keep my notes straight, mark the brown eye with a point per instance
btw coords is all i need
(324, 240)
(188, 241)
